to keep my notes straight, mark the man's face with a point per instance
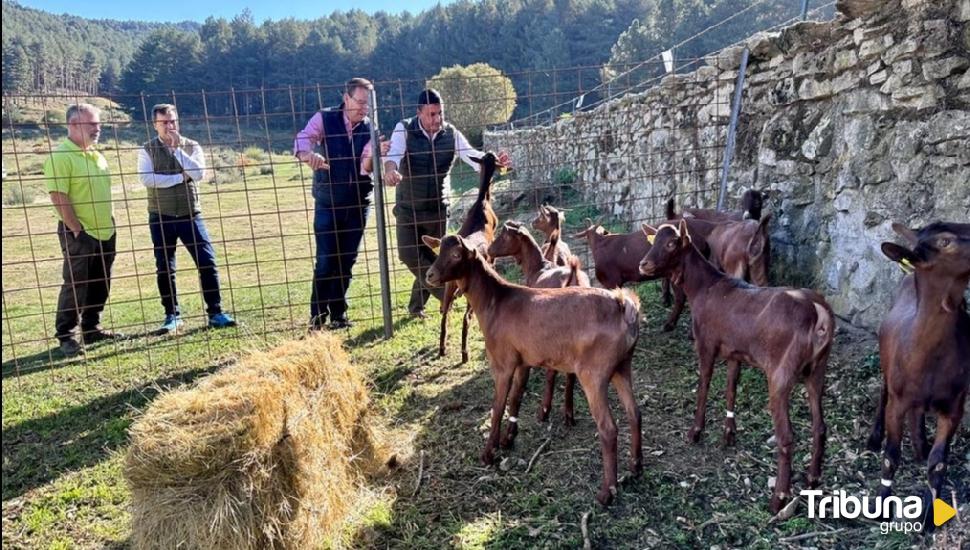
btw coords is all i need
(85, 129)
(431, 117)
(355, 106)
(165, 124)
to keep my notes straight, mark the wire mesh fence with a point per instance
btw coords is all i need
(258, 206)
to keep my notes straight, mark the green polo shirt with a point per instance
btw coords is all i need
(83, 176)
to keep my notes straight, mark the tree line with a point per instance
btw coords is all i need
(552, 50)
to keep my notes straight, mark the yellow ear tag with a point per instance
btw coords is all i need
(651, 238)
(906, 266)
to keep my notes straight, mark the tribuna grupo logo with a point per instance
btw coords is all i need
(902, 514)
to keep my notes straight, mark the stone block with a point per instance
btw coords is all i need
(845, 59)
(814, 89)
(936, 69)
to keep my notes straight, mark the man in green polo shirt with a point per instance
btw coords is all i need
(80, 189)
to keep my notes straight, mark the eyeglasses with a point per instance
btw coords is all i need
(360, 102)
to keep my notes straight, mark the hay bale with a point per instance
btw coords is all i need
(267, 453)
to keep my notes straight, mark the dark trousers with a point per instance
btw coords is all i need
(87, 281)
(338, 230)
(417, 255)
(166, 232)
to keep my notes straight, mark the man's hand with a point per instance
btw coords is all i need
(174, 139)
(315, 160)
(385, 146)
(391, 176)
(503, 160)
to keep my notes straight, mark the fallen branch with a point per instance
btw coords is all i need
(536, 454)
(813, 534)
(417, 482)
(584, 527)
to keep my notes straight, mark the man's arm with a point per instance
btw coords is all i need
(192, 161)
(148, 177)
(303, 144)
(466, 151)
(62, 203)
(395, 154)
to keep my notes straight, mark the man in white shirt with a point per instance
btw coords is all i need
(171, 167)
(422, 151)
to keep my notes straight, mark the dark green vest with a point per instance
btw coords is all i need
(178, 200)
(426, 166)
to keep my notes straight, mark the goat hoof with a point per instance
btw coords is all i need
(508, 440)
(813, 481)
(441, 352)
(667, 301)
(568, 419)
(729, 439)
(669, 327)
(636, 467)
(885, 492)
(487, 458)
(605, 497)
(542, 415)
(777, 503)
(874, 443)
(694, 435)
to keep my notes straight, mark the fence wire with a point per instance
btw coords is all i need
(258, 207)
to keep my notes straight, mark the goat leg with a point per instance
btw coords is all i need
(503, 379)
(730, 427)
(606, 427)
(895, 413)
(519, 382)
(547, 393)
(778, 401)
(917, 434)
(623, 382)
(879, 424)
(568, 416)
(705, 370)
(464, 334)
(946, 427)
(446, 302)
(815, 387)
(679, 300)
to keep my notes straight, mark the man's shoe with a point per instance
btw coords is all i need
(172, 324)
(98, 334)
(318, 323)
(338, 324)
(221, 320)
(71, 347)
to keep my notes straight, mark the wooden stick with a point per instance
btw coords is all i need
(584, 527)
(417, 482)
(536, 454)
(809, 535)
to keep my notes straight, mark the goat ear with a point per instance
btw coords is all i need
(899, 254)
(906, 233)
(477, 160)
(650, 231)
(431, 242)
(684, 232)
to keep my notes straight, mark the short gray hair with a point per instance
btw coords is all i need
(76, 109)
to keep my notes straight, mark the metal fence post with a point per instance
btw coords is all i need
(804, 13)
(732, 128)
(378, 173)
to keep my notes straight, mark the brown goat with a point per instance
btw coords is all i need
(924, 348)
(616, 259)
(550, 222)
(589, 332)
(516, 241)
(742, 249)
(478, 229)
(786, 332)
(752, 203)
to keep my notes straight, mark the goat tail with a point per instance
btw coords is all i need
(574, 267)
(669, 210)
(629, 304)
(823, 331)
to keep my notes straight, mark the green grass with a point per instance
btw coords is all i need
(65, 421)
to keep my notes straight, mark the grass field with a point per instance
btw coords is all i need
(65, 421)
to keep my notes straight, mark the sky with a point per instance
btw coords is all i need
(182, 10)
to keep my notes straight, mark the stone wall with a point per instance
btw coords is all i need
(851, 124)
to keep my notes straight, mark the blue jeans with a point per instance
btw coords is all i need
(166, 232)
(338, 230)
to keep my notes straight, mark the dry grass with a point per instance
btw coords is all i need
(268, 453)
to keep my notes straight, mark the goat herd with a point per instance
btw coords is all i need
(719, 262)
